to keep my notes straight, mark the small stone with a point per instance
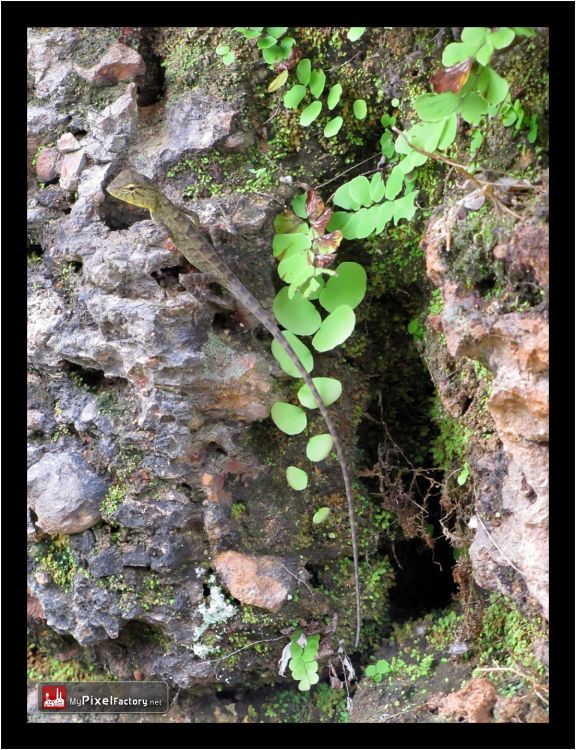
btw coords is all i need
(52, 196)
(120, 63)
(67, 142)
(89, 412)
(65, 493)
(257, 580)
(48, 165)
(42, 577)
(238, 141)
(72, 166)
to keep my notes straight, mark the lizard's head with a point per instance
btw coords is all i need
(134, 188)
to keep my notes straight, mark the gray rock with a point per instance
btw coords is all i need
(138, 557)
(50, 62)
(174, 511)
(45, 120)
(195, 122)
(107, 563)
(110, 131)
(65, 493)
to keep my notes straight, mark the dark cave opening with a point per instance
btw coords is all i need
(396, 439)
(153, 85)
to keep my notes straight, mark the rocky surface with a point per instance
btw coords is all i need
(64, 494)
(510, 548)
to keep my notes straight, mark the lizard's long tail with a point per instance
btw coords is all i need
(267, 320)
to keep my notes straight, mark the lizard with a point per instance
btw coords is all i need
(184, 230)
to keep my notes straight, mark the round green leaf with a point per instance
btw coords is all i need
(394, 183)
(290, 241)
(294, 96)
(384, 215)
(335, 329)
(359, 190)
(474, 34)
(297, 314)
(434, 107)
(276, 31)
(448, 132)
(334, 95)
(458, 52)
(310, 113)
(492, 86)
(296, 478)
(301, 350)
(329, 389)
(355, 32)
(377, 188)
(485, 53)
(319, 447)
(299, 205)
(321, 515)
(228, 58)
(286, 45)
(222, 49)
(278, 82)
(348, 287)
(344, 199)
(365, 222)
(332, 127)
(360, 109)
(296, 265)
(501, 38)
(272, 54)
(288, 418)
(303, 71)
(317, 82)
(395, 102)
(404, 207)
(265, 42)
(473, 107)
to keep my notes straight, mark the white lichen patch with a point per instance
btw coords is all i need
(217, 611)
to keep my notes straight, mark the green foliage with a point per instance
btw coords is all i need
(113, 500)
(274, 48)
(223, 50)
(355, 32)
(463, 476)
(398, 667)
(321, 515)
(360, 109)
(58, 560)
(335, 329)
(329, 389)
(296, 478)
(288, 418)
(304, 664)
(319, 447)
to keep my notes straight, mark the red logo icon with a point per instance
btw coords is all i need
(53, 697)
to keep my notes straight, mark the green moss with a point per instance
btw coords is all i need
(57, 559)
(113, 500)
(43, 667)
(238, 510)
(449, 446)
(320, 705)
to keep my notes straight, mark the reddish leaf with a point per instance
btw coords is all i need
(291, 62)
(324, 261)
(314, 204)
(319, 224)
(287, 222)
(452, 79)
(329, 243)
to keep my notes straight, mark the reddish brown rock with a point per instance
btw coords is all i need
(48, 165)
(261, 581)
(120, 63)
(474, 703)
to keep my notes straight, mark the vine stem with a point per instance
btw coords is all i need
(486, 187)
(317, 187)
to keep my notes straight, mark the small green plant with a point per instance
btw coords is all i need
(304, 664)
(113, 500)
(225, 53)
(59, 561)
(274, 47)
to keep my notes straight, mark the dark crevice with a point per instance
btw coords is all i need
(152, 87)
(35, 251)
(167, 278)
(314, 578)
(85, 377)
